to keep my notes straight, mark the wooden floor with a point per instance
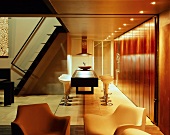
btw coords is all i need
(80, 105)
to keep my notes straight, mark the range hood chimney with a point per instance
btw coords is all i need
(84, 47)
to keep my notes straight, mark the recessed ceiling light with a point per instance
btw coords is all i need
(120, 28)
(141, 12)
(131, 19)
(124, 24)
(108, 36)
(153, 3)
(112, 33)
(115, 31)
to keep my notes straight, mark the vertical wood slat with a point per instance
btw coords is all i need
(146, 71)
(153, 68)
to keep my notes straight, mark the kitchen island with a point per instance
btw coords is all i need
(84, 78)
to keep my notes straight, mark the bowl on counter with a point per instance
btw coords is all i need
(84, 67)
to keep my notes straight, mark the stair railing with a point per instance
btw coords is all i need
(26, 42)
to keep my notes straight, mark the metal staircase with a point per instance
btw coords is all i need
(35, 47)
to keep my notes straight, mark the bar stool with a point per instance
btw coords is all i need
(103, 97)
(65, 79)
(104, 77)
(106, 81)
(67, 76)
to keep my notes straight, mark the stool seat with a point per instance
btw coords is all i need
(106, 79)
(106, 83)
(65, 79)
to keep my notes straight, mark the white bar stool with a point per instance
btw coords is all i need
(65, 79)
(106, 79)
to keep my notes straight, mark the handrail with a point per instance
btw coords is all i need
(28, 39)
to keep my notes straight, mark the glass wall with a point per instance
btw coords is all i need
(98, 57)
(107, 58)
(102, 57)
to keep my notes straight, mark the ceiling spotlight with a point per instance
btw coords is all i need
(115, 31)
(112, 33)
(120, 28)
(153, 3)
(141, 12)
(124, 24)
(131, 19)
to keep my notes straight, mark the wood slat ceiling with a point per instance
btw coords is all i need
(92, 18)
(99, 18)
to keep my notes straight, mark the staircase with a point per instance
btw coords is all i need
(34, 49)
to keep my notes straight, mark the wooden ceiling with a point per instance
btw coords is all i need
(100, 18)
(95, 19)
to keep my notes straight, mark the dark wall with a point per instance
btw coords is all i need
(5, 73)
(137, 65)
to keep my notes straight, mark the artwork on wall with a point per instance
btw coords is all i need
(4, 37)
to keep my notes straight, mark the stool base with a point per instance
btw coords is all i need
(65, 104)
(107, 104)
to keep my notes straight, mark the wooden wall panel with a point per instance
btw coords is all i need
(133, 56)
(115, 51)
(137, 77)
(121, 66)
(128, 69)
(138, 66)
(164, 81)
(141, 63)
(153, 68)
(146, 71)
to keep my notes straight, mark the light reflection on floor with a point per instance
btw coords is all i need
(81, 104)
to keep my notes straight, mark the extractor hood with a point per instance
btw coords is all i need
(84, 47)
